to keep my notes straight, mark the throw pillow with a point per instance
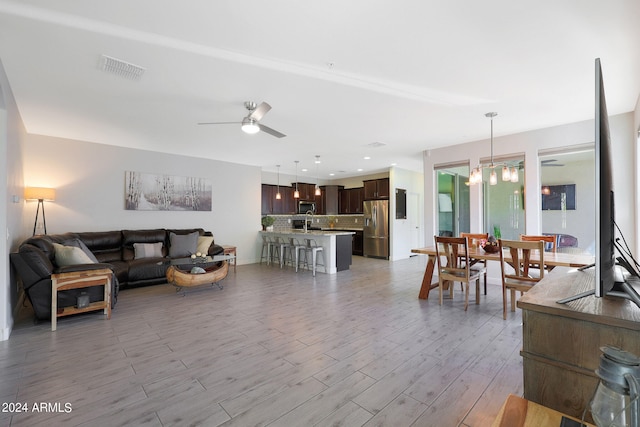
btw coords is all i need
(70, 255)
(80, 244)
(203, 244)
(183, 245)
(147, 250)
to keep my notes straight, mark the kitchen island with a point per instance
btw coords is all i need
(336, 244)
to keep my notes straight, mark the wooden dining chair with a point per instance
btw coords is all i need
(475, 240)
(515, 273)
(549, 246)
(455, 251)
(549, 239)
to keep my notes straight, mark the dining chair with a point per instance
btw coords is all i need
(475, 241)
(549, 246)
(549, 239)
(455, 251)
(515, 273)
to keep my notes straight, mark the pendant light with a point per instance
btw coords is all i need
(278, 195)
(296, 193)
(318, 193)
(493, 177)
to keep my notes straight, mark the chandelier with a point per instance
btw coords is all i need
(508, 174)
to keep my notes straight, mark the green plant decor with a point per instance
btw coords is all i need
(268, 221)
(496, 232)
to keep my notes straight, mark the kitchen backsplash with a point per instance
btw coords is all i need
(284, 222)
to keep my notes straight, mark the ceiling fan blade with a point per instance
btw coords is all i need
(260, 111)
(271, 131)
(219, 123)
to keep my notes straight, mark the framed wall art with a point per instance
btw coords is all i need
(156, 192)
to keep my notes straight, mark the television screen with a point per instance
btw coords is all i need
(605, 217)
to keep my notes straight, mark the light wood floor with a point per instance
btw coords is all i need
(272, 348)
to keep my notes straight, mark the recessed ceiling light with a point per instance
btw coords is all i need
(332, 174)
(393, 164)
(304, 169)
(367, 157)
(360, 170)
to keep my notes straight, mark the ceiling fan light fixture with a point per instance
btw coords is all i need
(250, 126)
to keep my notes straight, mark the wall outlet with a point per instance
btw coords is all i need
(289, 220)
(356, 220)
(336, 219)
(317, 220)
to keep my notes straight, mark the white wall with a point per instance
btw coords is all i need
(89, 183)
(12, 134)
(530, 143)
(401, 230)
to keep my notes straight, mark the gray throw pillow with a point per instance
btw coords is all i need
(147, 250)
(183, 245)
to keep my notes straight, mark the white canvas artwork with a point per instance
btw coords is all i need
(153, 192)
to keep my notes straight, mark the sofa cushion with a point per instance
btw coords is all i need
(183, 245)
(203, 244)
(80, 244)
(105, 245)
(129, 237)
(147, 250)
(143, 269)
(70, 255)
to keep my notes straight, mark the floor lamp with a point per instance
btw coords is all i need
(40, 194)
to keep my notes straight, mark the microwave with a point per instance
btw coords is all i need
(305, 206)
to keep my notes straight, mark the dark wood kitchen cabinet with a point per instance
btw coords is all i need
(351, 200)
(329, 201)
(376, 189)
(307, 191)
(273, 206)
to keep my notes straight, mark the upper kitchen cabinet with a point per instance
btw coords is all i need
(351, 200)
(328, 202)
(376, 189)
(270, 205)
(307, 191)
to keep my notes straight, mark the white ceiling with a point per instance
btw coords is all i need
(412, 74)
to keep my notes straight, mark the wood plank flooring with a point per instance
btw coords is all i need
(272, 348)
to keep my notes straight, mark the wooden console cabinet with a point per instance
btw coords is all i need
(561, 342)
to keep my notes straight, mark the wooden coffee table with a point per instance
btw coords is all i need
(216, 268)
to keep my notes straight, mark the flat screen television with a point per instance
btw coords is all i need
(609, 278)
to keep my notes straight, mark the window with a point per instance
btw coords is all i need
(504, 201)
(568, 180)
(453, 199)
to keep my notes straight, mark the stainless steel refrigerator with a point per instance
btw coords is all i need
(376, 228)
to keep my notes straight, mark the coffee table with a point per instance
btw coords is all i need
(179, 272)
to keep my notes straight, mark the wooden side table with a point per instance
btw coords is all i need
(231, 250)
(519, 412)
(79, 280)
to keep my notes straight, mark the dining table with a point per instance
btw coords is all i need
(551, 260)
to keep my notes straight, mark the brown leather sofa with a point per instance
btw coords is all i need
(35, 262)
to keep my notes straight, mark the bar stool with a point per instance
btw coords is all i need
(266, 247)
(287, 248)
(312, 246)
(298, 247)
(275, 249)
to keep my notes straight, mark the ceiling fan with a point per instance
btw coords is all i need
(251, 123)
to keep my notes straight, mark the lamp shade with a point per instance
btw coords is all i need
(39, 193)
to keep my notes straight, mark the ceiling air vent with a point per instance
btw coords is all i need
(121, 68)
(376, 144)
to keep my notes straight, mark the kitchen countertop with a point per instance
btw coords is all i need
(324, 232)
